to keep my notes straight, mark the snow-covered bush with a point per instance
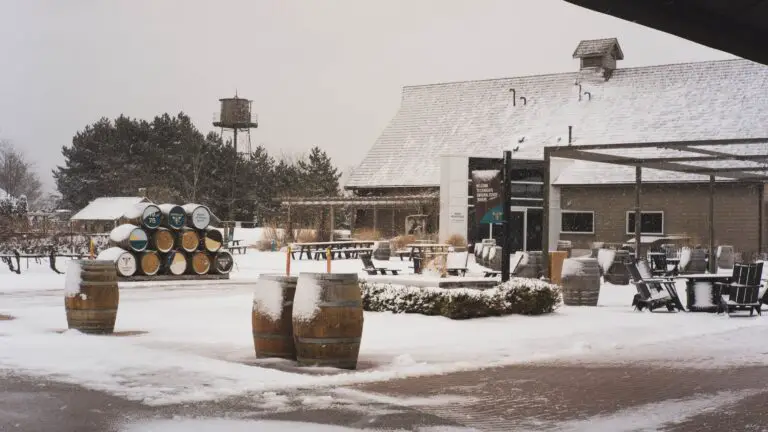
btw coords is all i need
(517, 296)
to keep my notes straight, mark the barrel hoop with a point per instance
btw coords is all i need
(328, 341)
(260, 335)
(111, 311)
(342, 303)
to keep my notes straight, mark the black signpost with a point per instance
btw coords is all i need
(507, 228)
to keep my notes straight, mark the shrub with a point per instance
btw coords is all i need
(517, 296)
(367, 234)
(400, 242)
(456, 240)
(270, 233)
(306, 235)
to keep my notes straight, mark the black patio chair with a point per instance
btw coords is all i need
(652, 293)
(743, 293)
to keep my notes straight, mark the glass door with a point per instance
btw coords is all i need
(517, 222)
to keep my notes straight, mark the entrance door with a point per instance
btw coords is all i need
(534, 221)
(517, 229)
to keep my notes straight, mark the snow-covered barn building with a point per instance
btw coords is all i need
(103, 214)
(442, 132)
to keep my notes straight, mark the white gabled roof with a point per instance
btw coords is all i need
(679, 102)
(107, 208)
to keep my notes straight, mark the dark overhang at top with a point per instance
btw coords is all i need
(739, 27)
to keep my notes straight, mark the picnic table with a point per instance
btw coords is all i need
(234, 245)
(420, 249)
(702, 290)
(339, 249)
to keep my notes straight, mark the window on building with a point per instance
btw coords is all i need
(651, 222)
(577, 222)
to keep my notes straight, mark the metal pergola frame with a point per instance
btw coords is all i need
(725, 160)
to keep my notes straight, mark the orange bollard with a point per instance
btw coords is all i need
(288, 261)
(328, 260)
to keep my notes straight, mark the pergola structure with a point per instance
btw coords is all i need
(374, 203)
(731, 160)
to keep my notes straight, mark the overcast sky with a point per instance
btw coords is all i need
(320, 72)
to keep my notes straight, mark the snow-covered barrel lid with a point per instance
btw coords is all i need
(198, 216)
(129, 235)
(148, 214)
(175, 215)
(124, 261)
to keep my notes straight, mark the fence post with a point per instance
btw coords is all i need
(328, 260)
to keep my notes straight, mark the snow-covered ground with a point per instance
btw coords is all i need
(192, 341)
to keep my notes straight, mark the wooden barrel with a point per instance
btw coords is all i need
(199, 263)
(189, 240)
(617, 273)
(173, 216)
(327, 319)
(221, 262)
(271, 318)
(383, 251)
(580, 281)
(91, 296)
(530, 265)
(726, 257)
(565, 246)
(175, 263)
(698, 263)
(123, 261)
(212, 239)
(198, 216)
(494, 258)
(129, 237)
(149, 262)
(162, 240)
(144, 214)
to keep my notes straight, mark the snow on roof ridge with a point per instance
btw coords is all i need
(618, 70)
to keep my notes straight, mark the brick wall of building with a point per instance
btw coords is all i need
(685, 210)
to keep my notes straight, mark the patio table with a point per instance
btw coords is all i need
(702, 291)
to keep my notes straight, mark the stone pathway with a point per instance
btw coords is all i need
(516, 398)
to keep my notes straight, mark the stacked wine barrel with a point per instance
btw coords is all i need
(167, 240)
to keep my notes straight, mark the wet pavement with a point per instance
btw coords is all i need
(524, 398)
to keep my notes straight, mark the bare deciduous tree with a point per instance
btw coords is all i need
(17, 174)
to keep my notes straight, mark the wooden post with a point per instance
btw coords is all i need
(712, 257)
(506, 211)
(545, 219)
(92, 248)
(328, 260)
(638, 212)
(288, 261)
(760, 216)
(375, 218)
(394, 231)
(333, 222)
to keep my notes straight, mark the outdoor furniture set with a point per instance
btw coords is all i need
(705, 292)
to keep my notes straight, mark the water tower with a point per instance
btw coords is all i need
(236, 116)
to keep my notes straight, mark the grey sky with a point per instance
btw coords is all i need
(320, 72)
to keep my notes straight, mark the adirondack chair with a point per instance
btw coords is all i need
(652, 293)
(370, 268)
(457, 263)
(743, 292)
(659, 265)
